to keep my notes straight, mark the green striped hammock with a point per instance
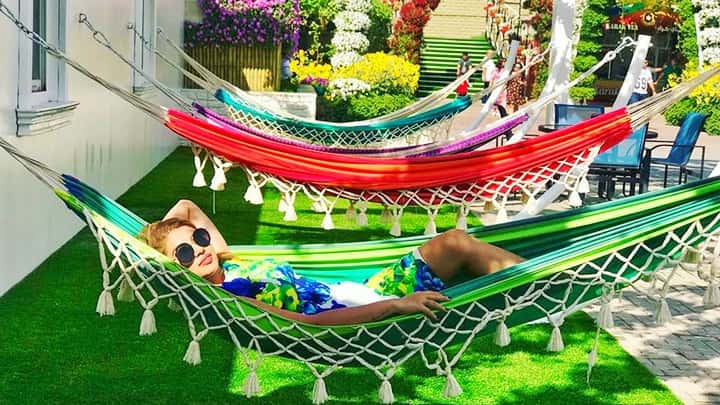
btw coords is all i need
(573, 257)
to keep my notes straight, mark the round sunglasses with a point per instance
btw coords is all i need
(184, 252)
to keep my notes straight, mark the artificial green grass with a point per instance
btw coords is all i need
(56, 349)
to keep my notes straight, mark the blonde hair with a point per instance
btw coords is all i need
(155, 235)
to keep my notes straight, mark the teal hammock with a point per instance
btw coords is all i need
(573, 257)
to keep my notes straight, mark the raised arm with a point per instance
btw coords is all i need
(424, 302)
(186, 209)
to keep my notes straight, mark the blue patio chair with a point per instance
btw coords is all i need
(569, 114)
(682, 148)
(625, 162)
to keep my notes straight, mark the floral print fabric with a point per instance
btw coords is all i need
(276, 284)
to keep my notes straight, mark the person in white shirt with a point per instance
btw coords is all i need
(488, 69)
(643, 82)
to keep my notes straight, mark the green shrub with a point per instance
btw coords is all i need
(380, 26)
(677, 111)
(361, 108)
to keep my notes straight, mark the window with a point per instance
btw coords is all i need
(42, 104)
(143, 57)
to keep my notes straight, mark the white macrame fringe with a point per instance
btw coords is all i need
(431, 227)
(319, 392)
(290, 214)
(282, 205)
(593, 356)
(105, 305)
(452, 388)
(199, 179)
(385, 216)
(362, 219)
(174, 306)
(662, 314)
(395, 229)
(318, 206)
(125, 292)
(461, 219)
(147, 325)
(327, 222)
(253, 195)
(605, 317)
(351, 213)
(584, 186)
(575, 200)
(251, 386)
(501, 215)
(556, 342)
(712, 295)
(217, 183)
(192, 355)
(502, 335)
(531, 205)
(386, 393)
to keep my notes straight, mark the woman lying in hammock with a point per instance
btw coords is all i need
(409, 285)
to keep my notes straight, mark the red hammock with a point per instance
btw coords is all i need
(386, 174)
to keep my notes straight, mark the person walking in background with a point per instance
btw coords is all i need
(501, 100)
(488, 69)
(643, 82)
(516, 90)
(464, 64)
(671, 68)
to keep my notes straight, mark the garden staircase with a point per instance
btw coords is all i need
(438, 62)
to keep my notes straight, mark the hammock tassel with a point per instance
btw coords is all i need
(290, 214)
(105, 305)
(395, 230)
(192, 355)
(362, 219)
(147, 325)
(385, 216)
(452, 388)
(199, 179)
(319, 206)
(251, 386)
(501, 216)
(531, 205)
(319, 392)
(712, 295)
(663, 315)
(386, 393)
(461, 219)
(431, 227)
(218, 181)
(556, 342)
(174, 306)
(605, 317)
(575, 200)
(593, 356)
(327, 222)
(351, 213)
(584, 185)
(125, 293)
(502, 335)
(253, 195)
(282, 205)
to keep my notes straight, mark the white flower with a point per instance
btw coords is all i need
(346, 41)
(351, 21)
(342, 59)
(710, 36)
(712, 55)
(361, 6)
(344, 88)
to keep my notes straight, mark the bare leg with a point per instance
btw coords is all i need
(455, 252)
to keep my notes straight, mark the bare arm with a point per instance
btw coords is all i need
(424, 302)
(186, 209)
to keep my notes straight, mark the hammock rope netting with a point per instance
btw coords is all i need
(573, 258)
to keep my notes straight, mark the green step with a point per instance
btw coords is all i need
(438, 62)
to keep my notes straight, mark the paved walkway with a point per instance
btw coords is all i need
(684, 354)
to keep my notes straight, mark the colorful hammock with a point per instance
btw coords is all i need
(573, 258)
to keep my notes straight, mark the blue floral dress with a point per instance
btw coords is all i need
(277, 284)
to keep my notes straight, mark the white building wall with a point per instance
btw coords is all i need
(110, 144)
